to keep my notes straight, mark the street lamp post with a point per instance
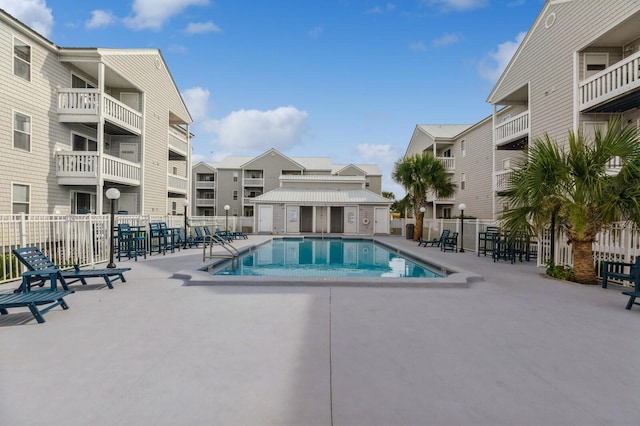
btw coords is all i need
(112, 194)
(422, 210)
(185, 203)
(461, 207)
(226, 219)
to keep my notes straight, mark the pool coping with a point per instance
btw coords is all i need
(457, 277)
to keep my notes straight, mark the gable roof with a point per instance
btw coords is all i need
(272, 152)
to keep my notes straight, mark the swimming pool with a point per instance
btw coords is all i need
(316, 257)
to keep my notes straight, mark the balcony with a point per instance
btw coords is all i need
(514, 129)
(431, 198)
(247, 201)
(81, 168)
(612, 89)
(177, 184)
(81, 106)
(501, 180)
(449, 163)
(205, 202)
(205, 184)
(253, 182)
(178, 142)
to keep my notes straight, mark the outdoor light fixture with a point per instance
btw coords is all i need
(461, 207)
(185, 203)
(112, 194)
(226, 217)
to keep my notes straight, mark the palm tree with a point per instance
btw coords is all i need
(418, 174)
(581, 189)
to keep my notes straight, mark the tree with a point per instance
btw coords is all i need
(592, 185)
(419, 174)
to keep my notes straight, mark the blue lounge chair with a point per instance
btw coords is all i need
(436, 241)
(33, 299)
(35, 260)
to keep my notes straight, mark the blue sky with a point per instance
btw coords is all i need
(346, 79)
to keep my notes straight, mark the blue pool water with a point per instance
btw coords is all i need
(314, 257)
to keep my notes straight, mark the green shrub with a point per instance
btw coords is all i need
(559, 271)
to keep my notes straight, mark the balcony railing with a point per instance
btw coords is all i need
(253, 182)
(501, 180)
(431, 198)
(81, 168)
(513, 129)
(610, 83)
(205, 202)
(178, 142)
(205, 184)
(449, 163)
(177, 184)
(248, 201)
(81, 105)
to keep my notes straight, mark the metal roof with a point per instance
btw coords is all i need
(444, 130)
(321, 196)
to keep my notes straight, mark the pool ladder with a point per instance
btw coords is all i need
(216, 240)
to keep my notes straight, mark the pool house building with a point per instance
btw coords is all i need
(277, 194)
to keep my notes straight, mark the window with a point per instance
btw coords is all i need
(174, 208)
(234, 212)
(206, 178)
(463, 148)
(235, 176)
(21, 59)
(446, 212)
(80, 83)
(462, 181)
(505, 207)
(506, 164)
(82, 143)
(248, 211)
(22, 131)
(235, 195)
(174, 170)
(594, 63)
(21, 196)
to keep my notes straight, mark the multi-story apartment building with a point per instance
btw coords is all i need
(578, 65)
(310, 183)
(77, 121)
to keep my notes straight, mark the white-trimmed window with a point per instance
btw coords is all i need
(78, 82)
(506, 164)
(21, 59)
(83, 143)
(235, 195)
(20, 198)
(463, 179)
(463, 148)
(594, 62)
(21, 131)
(235, 176)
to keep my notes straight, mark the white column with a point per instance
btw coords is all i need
(100, 140)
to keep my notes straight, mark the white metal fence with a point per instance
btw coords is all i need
(82, 239)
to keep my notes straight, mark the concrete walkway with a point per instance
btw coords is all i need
(514, 349)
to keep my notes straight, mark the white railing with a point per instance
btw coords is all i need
(513, 129)
(253, 182)
(248, 201)
(78, 101)
(205, 202)
(618, 79)
(205, 184)
(119, 170)
(122, 115)
(76, 164)
(84, 102)
(431, 197)
(501, 180)
(178, 142)
(449, 163)
(177, 183)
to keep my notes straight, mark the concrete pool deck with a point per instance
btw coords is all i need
(514, 349)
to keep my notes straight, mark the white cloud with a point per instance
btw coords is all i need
(152, 14)
(459, 5)
(418, 46)
(100, 19)
(315, 32)
(377, 10)
(380, 154)
(197, 100)
(446, 39)
(202, 27)
(494, 63)
(253, 130)
(34, 13)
